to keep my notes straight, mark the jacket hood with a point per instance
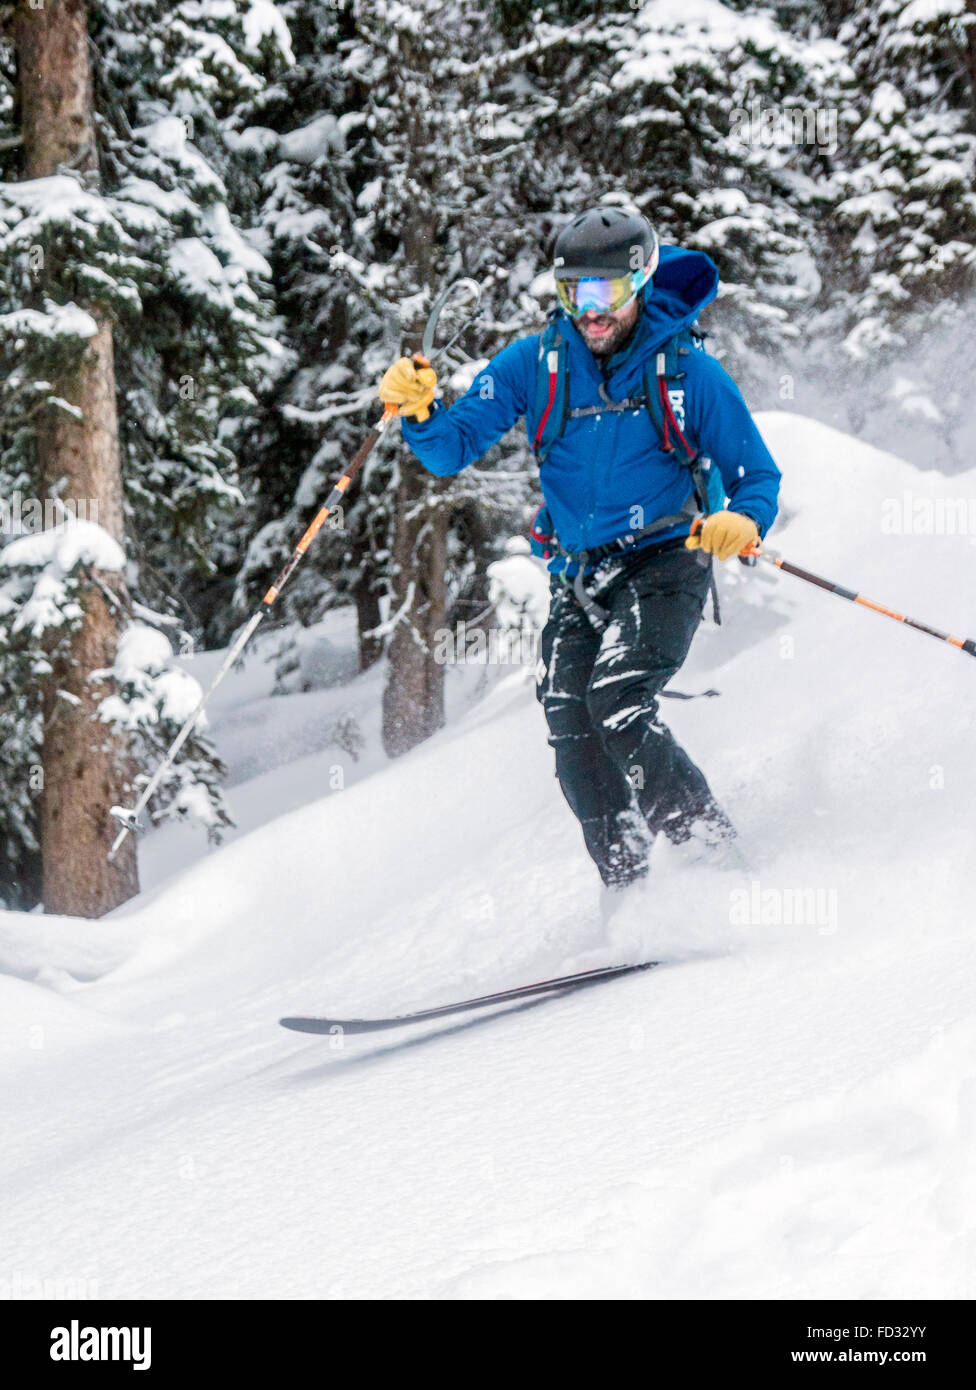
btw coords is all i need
(684, 282)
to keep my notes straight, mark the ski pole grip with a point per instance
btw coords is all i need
(750, 555)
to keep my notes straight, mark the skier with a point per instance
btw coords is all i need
(627, 416)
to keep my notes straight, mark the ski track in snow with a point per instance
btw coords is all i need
(780, 1111)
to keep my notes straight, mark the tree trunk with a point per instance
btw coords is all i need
(970, 57)
(413, 700)
(87, 767)
(368, 619)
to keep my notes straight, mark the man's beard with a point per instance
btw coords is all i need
(611, 342)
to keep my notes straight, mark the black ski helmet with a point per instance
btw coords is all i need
(606, 242)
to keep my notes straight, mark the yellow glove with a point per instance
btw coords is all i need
(409, 387)
(724, 534)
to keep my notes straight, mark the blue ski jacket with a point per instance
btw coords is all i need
(604, 466)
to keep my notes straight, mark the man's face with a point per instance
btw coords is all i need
(605, 334)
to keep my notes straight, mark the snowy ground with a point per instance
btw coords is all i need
(783, 1110)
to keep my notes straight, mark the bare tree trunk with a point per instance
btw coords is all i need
(413, 700)
(472, 603)
(970, 60)
(368, 619)
(87, 767)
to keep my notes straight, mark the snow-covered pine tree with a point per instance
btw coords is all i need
(901, 235)
(710, 119)
(151, 248)
(86, 762)
(300, 135)
(339, 217)
(171, 81)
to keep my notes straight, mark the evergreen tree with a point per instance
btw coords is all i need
(901, 236)
(361, 243)
(135, 232)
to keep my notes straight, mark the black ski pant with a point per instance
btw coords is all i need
(623, 773)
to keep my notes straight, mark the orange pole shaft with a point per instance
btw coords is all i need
(965, 644)
(331, 502)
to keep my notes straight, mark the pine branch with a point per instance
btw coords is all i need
(498, 62)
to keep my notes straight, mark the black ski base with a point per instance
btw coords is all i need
(561, 985)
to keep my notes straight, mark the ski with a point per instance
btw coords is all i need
(560, 985)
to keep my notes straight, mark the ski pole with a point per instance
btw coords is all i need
(129, 819)
(773, 557)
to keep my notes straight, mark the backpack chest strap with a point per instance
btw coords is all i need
(608, 406)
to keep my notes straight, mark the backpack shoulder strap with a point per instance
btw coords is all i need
(551, 388)
(663, 374)
(666, 407)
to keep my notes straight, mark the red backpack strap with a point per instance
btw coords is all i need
(551, 389)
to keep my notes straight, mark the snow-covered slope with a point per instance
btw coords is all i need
(786, 1108)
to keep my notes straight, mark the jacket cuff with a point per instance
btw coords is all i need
(754, 519)
(411, 423)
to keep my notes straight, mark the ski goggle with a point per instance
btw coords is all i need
(602, 296)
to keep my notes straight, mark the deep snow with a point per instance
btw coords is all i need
(780, 1111)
